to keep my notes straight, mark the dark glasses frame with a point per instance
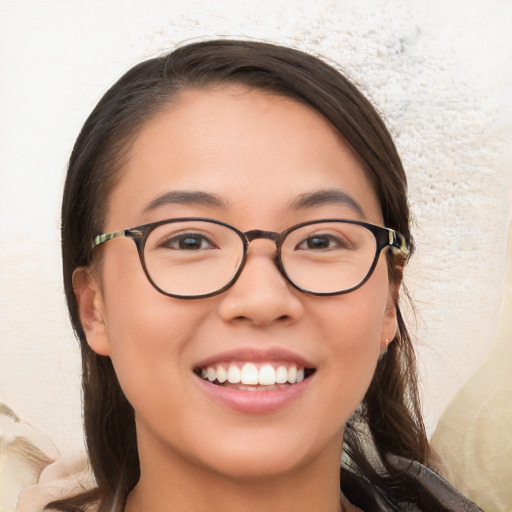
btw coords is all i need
(384, 237)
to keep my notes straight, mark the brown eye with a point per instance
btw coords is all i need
(188, 242)
(322, 242)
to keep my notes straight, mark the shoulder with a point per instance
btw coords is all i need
(446, 494)
(63, 479)
(368, 497)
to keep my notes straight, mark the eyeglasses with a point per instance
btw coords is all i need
(191, 258)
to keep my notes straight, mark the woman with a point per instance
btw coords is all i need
(236, 296)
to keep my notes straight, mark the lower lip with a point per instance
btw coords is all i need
(255, 402)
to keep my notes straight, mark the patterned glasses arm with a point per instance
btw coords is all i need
(398, 243)
(105, 237)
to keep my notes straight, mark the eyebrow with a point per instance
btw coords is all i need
(302, 202)
(185, 197)
(327, 197)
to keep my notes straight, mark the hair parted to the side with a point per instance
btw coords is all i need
(390, 416)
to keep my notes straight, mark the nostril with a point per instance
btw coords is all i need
(282, 318)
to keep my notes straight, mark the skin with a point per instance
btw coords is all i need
(258, 152)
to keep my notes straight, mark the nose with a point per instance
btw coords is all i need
(261, 295)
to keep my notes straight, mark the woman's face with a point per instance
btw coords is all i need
(256, 154)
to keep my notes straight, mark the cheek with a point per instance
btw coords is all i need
(138, 314)
(148, 333)
(357, 318)
(352, 333)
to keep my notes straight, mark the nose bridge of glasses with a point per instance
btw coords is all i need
(256, 234)
(271, 236)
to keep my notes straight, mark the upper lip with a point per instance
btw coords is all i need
(255, 355)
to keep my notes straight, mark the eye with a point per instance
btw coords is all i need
(188, 242)
(323, 242)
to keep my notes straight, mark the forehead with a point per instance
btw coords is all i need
(252, 148)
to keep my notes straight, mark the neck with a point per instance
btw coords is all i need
(173, 485)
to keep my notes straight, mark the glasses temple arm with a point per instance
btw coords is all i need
(398, 243)
(105, 237)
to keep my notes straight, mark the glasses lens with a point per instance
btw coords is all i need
(191, 258)
(328, 257)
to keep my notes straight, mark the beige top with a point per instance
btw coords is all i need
(474, 435)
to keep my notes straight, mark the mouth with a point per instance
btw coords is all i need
(250, 376)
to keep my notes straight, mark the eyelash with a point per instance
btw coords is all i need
(339, 242)
(176, 239)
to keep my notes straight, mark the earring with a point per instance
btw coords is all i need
(384, 352)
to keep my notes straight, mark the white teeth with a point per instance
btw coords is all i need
(292, 374)
(249, 375)
(222, 375)
(233, 374)
(281, 375)
(267, 375)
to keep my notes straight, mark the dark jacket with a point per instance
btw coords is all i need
(370, 498)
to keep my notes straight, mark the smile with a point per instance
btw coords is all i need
(255, 381)
(253, 377)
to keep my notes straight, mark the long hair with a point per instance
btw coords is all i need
(389, 419)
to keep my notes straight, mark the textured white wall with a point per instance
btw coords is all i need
(439, 71)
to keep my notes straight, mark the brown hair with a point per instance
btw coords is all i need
(389, 419)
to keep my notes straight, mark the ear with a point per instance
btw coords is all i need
(389, 325)
(390, 321)
(91, 309)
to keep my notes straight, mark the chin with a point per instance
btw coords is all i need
(269, 455)
(258, 467)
